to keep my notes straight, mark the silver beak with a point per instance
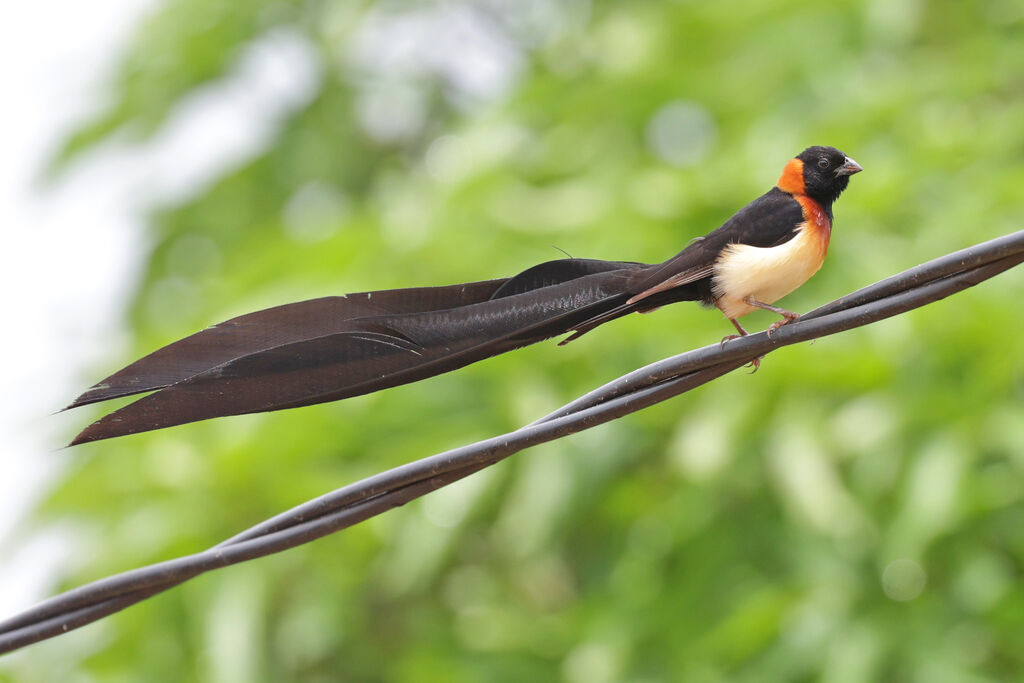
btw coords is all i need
(849, 167)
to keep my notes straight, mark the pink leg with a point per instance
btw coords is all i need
(756, 363)
(788, 316)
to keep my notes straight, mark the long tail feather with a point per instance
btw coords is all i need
(327, 349)
(273, 327)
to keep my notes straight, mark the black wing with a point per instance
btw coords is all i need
(768, 221)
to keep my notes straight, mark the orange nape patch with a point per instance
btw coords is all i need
(792, 178)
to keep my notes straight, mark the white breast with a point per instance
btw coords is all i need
(766, 274)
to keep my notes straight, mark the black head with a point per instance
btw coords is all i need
(826, 172)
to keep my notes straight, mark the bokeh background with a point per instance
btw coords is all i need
(852, 512)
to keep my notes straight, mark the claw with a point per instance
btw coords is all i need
(756, 363)
(729, 337)
(785, 321)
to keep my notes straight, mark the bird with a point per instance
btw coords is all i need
(335, 347)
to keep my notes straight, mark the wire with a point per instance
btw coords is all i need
(349, 505)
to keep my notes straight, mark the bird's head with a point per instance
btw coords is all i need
(819, 172)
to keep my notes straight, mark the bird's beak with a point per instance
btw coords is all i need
(849, 167)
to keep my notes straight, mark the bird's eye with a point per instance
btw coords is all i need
(822, 162)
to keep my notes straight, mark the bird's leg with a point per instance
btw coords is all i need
(739, 328)
(736, 324)
(756, 363)
(787, 316)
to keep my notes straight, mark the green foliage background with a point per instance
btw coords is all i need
(852, 512)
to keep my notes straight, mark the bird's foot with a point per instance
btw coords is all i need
(730, 337)
(739, 328)
(788, 317)
(756, 363)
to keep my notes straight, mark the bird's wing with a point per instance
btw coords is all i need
(685, 277)
(768, 221)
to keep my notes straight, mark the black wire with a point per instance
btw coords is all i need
(652, 384)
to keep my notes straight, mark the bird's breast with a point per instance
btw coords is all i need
(767, 274)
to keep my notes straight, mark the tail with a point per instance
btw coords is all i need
(336, 347)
